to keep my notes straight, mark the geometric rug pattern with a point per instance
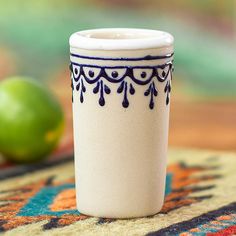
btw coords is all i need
(200, 200)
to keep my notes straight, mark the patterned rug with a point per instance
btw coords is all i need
(200, 200)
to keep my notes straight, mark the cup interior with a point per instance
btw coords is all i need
(121, 39)
(122, 34)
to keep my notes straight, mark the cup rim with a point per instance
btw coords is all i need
(120, 39)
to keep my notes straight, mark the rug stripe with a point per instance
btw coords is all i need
(195, 222)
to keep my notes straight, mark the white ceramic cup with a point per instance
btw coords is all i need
(121, 80)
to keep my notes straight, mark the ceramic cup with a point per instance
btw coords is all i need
(121, 81)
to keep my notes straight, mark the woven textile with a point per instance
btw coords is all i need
(200, 200)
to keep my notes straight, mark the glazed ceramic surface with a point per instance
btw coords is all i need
(121, 82)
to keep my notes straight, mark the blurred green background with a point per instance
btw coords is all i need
(34, 42)
(35, 34)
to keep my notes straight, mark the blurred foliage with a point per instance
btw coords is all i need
(37, 32)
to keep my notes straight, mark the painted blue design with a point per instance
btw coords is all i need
(40, 203)
(120, 74)
(167, 91)
(119, 67)
(168, 188)
(131, 89)
(123, 88)
(102, 88)
(152, 91)
(148, 57)
(82, 91)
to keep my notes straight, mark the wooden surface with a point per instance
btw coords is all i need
(209, 125)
